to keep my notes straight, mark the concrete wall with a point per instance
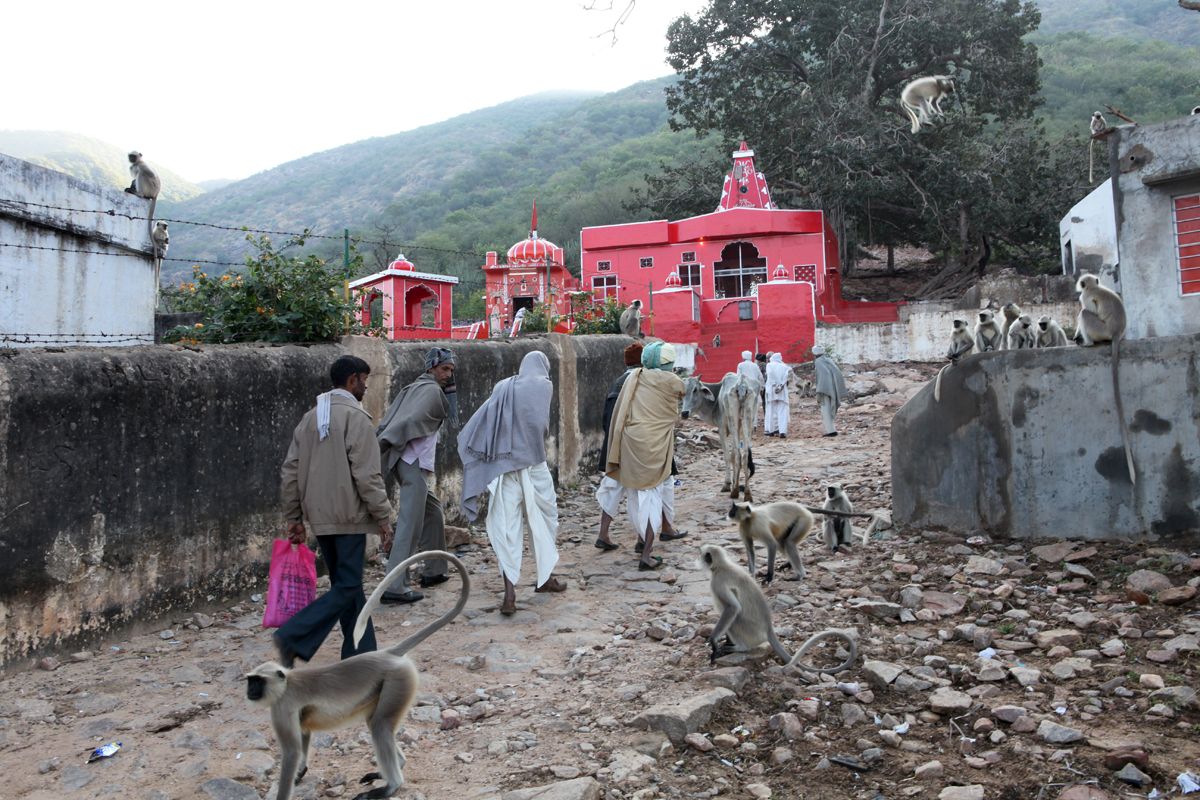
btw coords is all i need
(135, 481)
(94, 283)
(922, 334)
(1089, 234)
(1153, 164)
(1009, 450)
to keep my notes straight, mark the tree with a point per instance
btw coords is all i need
(814, 88)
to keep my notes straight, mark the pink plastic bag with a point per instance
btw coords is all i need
(293, 583)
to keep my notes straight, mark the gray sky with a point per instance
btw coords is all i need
(225, 89)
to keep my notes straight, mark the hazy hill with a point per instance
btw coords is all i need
(1138, 20)
(88, 158)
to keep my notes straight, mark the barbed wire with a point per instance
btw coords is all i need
(67, 338)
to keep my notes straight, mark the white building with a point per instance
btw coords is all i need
(1089, 237)
(72, 277)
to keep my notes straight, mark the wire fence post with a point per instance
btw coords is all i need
(346, 282)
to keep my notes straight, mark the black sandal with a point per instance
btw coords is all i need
(667, 537)
(603, 545)
(644, 567)
(639, 547)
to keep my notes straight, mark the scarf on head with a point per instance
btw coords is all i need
(642, 433)
(633, 354)
(508, 432)
(777, 378)
(829, 380)
(436, 356)
(418, 411)
(323, 403)
(658, 355)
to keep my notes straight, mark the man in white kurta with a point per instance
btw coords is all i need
(503, 450)
(779, 378)
(748, 368)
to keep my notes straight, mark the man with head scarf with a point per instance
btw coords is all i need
(610, 493)
(408, 445)
(747, 366)
(331, 478)
(503, 450)
(779, 378)
(641, 443)
(831, 387)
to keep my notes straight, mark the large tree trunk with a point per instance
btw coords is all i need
(891, 260)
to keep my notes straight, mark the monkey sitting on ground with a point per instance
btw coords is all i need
(1050, 334)
(146, 183)
(745, 620)
(631, 320)
(987, 333)
(1102, 319)
(961, 344)
(922, 99)
(1011, 312)
(1022, 336)
(379, 687)
(839, 530)
(778, 525)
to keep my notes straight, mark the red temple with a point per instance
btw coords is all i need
(409, 304)
(711, 275)
(534, 269)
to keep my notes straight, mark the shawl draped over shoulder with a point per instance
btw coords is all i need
(829, 380)
(417, 412)
(641, 440)
(508, 432)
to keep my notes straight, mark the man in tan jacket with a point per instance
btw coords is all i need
(332, 479)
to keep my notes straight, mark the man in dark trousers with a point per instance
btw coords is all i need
(408, 439)
(332, 478)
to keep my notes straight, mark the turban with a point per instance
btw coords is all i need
(818, 350)
(747, 355)
(659, 355)
(434, 357)
(633, 354)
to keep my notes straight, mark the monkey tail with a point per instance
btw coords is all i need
(831, 513)
(937, 385)
(816, 637)
(1116, 375)
(360, 627)
(870, 529)
(150, 224)
(777, 645)
(916, 121)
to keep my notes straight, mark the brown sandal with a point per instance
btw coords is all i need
(552, 585)
(508, 610)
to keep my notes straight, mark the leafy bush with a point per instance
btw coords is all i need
(277, 298)
(595, 318)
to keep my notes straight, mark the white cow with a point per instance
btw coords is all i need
(732, 406)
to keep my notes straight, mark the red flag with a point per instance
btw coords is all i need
(534, 227)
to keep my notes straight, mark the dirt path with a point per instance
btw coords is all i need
(561, 684)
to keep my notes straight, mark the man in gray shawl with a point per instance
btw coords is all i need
(408, 443)
(831, 387)
(503, 450)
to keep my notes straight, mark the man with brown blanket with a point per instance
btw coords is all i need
(642, 442)
(408, 444)
(503, 451)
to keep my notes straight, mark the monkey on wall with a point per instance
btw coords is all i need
(745, 619)
(1022, 336)
(961, 344)
(1102, 319)
(1097, 124)
(146, 182)
(378, 687)
(631, 320)
(921, 99)
(1050, 334)
(161, 239)
(782, 525)
(987, 332)
(1012, 312)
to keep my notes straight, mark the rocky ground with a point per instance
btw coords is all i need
(998, 670)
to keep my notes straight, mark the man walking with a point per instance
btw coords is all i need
(331, 478)
(408, 441)
(503, 450)
(831, 388)
(779, 378)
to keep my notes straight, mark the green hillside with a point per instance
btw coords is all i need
(1140, 20)
(90, 159)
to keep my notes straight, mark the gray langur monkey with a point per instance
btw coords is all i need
(631, 320)
(961, 345)
(1050, 334)
(1102, 319)
(781, 525)
(717, 340)
(745, 619)
(839, 530)
(378, 687)
(161, 240)
(1022, 335)
(922, 99)
(1012, 313)
(1097, 124)
(987, 332)
(146, 182)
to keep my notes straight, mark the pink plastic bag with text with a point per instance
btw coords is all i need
(293, 582)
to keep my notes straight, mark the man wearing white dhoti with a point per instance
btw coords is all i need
(642, 443)
(779, 378)
(503, 450)
(831, 388)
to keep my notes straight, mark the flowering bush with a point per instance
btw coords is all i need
(277, 298)
(595, 318)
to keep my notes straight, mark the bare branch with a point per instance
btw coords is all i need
(622, 18)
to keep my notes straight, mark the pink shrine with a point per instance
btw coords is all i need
(534, 267)
(409, 304)
(710, 276)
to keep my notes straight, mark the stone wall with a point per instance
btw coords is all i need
(1026, 445)
(136, 481)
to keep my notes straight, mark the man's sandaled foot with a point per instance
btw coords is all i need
(433, 580)
(407, 597)
(666, 537)
(508, 607)
(603, 545)
(552, 585)
(644, 567)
